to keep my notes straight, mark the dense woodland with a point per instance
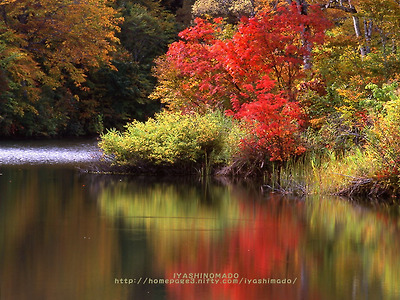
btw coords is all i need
(76, 67)
(239, 83)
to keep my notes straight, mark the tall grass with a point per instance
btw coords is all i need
(321, 173)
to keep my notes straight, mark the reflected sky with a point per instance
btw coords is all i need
(47, 152)
(66, 235)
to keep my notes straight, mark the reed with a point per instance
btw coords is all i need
(321, 172)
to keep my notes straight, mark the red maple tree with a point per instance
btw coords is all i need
(252, 74)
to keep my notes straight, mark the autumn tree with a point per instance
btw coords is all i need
(211, 66)
(252, 73)
(63, 40)
(362, 49)
(145, 33)
(369, 19)
(66, 36)
(19, 74)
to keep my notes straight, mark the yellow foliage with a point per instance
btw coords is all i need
(69, 36)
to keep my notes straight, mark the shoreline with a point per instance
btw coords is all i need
(360, 189)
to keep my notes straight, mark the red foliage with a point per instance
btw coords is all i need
(276, 44)
(265, 246)
(252, 74)
(202, 76)
(275, 123)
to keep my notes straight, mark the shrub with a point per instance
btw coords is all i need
(175, 138)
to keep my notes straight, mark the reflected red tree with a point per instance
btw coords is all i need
(264, 245)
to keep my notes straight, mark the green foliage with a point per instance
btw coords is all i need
(120, 95)
(361, 79)
(378, 96)
(146, 31)
(19, 75)
(174, 138)
(145, 34)
(385, 93)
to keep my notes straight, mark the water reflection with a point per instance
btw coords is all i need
(354, 249)
(66, 235)
(53, 245)
(48, 152)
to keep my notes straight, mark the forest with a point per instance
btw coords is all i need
(304, 92)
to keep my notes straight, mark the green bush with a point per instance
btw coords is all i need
(175, 138)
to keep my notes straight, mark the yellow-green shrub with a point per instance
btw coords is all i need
(384, 139)
(173, 137)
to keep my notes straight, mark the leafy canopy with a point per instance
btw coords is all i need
(252, 74)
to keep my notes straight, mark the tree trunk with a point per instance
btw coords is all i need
(356, 23)
(368, 35)
(394, 46)
(368, 24)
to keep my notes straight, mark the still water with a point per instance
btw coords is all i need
(70, 235)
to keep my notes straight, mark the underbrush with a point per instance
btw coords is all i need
(354, 174)
(366, 164)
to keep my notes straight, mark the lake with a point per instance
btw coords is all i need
(68, 235)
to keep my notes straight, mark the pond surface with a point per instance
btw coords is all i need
(48, 152)
(69, 235)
